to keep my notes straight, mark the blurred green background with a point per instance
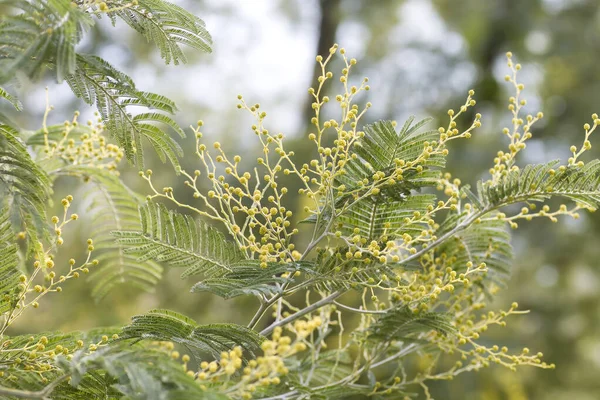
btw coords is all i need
(421, 57)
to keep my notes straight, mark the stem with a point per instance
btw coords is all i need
(408, 349)
(264, 306)
(357, 310)
(40, 394)
(259, 313)
(327, 300)
(446, 235)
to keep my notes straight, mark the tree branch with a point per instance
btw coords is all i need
(27, 394)
(323, 302)
(463, 225)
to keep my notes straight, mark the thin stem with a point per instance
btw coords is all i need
(357, 310)
(446, 235)
(264, 306)
(408, 349)
(259, 313)
(327, 300)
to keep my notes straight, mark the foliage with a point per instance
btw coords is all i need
(10, 261)
(114, 207)
(97, 82)
(179, 240)
(423, 263)
(25, 186)
(43, 35)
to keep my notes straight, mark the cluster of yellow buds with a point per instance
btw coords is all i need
(322, 171)
(528, 213)
(587, 145)
(437, 278)
(451, 188)
(270, 367)
(45, 265)
(520, 131)
(82, 145)
(479, 355)
(38, 355)
(102, 7)
(451, 132)
(265, 230)
(265, 370)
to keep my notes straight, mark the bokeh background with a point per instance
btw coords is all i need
(421, 56)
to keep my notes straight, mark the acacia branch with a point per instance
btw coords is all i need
(463, 225)
(323, 302)
(39, 394)
(329, 299)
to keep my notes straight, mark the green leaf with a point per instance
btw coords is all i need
(330, 366)
(485, 242)
(248, 278)
(44, 34)
(113, 206)
(97, 82)
(181, 241)
(24, 187)
(382, 145)
(93, 385)
(11, 99)
(382, 148)
(542, 181)
(165, 24)
(381, 216)
(9, 264)
(403, 324)
(333, 271)
(165, 325)
(133, 372)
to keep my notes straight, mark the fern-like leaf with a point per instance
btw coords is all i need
(330, 366)
(332, 271)
(134, 372)
(485, 242)
(167, 25)
(16, 103)
(403, 324)
(113, 206)
(382, 216)
(248, 278)
(542, 181)
(24, 187)
(382, 147)
(97, 82)
(9, 263)
(179, 240)
(95, 384)
(45, 33)
(165, 325)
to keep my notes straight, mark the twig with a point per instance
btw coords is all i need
(43, 394)
(357, 310)
(408, 349)
(327, 300)
(463, 225)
